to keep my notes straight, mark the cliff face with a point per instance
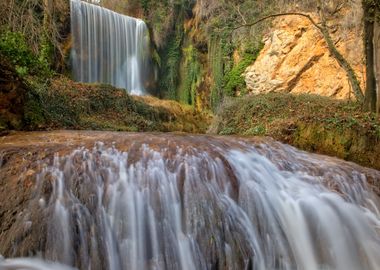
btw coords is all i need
(296, 58)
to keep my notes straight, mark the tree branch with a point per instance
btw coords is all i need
(279, 15)
(351, 75)
(237, 8)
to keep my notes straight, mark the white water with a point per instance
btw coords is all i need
(225, 205)
(108, 47)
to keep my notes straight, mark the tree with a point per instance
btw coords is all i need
(372, 50)
(322, 27)
(377, 61)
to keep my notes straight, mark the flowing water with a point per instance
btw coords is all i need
(188, 202)
(109, 47)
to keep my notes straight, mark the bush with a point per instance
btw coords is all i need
(14, 47)
(234, 81)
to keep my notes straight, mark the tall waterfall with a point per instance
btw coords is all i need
(188, 202)
(109, 47)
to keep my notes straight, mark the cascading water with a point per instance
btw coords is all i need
(109, 47)
(187, 202)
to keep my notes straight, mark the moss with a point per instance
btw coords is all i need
(234, 81)
(217, 71)
(227, 131)
(256, 130)
(312, 123)
(191, 72)
(170, 60)
(61, 103)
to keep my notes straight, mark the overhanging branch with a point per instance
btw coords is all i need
(279, 15)
(351, 75)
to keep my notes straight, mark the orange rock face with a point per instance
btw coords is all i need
(296, 59)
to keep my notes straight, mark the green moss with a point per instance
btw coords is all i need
(312, 123)
(227, 131)
(234, 80)
(256, 131)
(191, 76)
(217, 71)
(170, 61)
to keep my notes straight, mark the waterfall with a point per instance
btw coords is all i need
(108, 47)
(188, 202)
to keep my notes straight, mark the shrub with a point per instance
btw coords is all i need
(14, 47)
(234, 81)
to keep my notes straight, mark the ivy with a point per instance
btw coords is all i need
(191, 76)
(234, 81)
(170, 61)
(14, 47)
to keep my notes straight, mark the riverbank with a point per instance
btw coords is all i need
(312, 123)
(36, 103)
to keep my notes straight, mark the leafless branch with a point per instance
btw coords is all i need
(279, 15)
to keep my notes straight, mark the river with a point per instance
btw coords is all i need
(103, 200)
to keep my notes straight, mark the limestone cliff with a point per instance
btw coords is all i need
(296, 58)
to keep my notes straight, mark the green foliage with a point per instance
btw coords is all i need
(191, 76)
(156, 58)
(21, 71)
(145, 5)
(275, 114)
(217, 71)
(45, 54)
(234, 81)
(61, 103)
(258, 130)
(170, 61)
(13, 46)
(310, 122)
(227, 131)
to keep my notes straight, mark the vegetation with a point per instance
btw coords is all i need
(42, 25)
(170, 57)
(313, 123)
(102, 107)
(372, 49)
(191, 72)
(14, 47)
(234, 81)
(201, 49)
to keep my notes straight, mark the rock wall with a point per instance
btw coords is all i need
(11, 97)
(296, 58)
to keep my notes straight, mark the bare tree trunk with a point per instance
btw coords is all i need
(351, 75)
(369, 27)
(376, 44)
